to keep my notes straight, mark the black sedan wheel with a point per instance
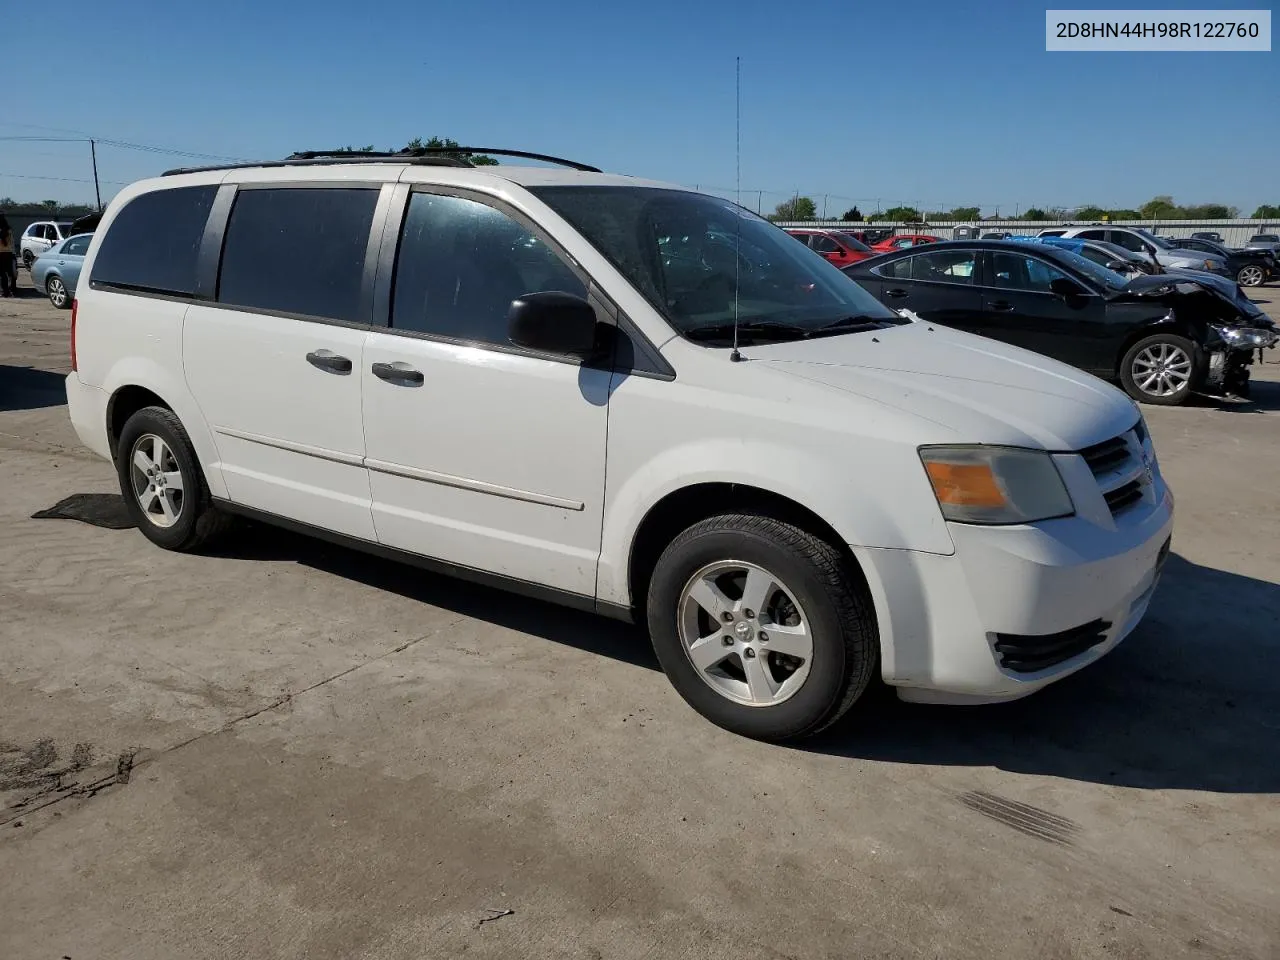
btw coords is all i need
(1251, 275)
(1162, 369)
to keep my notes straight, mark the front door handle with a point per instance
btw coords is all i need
(398, 373)
(329, 361)
(896, 293)
(1004, 306)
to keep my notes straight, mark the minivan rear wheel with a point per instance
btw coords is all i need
(162, 483)
(1162, 369)
(762, 627)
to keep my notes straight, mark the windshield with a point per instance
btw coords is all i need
(853, 243)
(702, 261)
(64, 228)
(1107, 279)
(1264, 238)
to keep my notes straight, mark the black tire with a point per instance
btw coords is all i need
(840, 614)
(1251, 275)
(57, 292)
(197, 521)
(1198, 366)
(27, 259)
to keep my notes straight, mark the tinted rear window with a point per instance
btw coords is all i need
(153, 243)
(298, 251)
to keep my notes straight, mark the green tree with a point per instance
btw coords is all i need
(1160, 208)
(449, 144)
(902, 214)
(965, 213)
(852, 215)
(1268, 211)
(50, 205)
(1088, 212)
(1210, 211)
(1128, 215)
(797, 208)
(1034, 213)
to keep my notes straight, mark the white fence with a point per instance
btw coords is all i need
(1235, 233)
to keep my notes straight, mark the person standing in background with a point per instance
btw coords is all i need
(8, 272)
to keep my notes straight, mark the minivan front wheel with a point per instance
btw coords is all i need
(162, 484)
(761, 626)
(1162, 369)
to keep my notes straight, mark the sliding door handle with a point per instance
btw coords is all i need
(398, 373)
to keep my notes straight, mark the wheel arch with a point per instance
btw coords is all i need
(1175, 327)
(685, 506)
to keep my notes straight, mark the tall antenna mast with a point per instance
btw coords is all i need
(734, 355)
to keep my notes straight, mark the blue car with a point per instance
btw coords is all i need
(56, 272)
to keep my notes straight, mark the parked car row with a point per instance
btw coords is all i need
(39, 237)
(1164, 336)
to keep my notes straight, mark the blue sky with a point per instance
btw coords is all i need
(937, 103)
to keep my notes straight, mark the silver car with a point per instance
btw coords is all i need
(1144, 242)
(56, 272)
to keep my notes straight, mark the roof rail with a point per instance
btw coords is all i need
(424, 156)
(498, 151)
(321, 157)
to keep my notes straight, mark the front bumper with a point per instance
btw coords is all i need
(941, 617)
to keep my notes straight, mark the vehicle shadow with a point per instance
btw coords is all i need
(26, 388)
(1188, 701)
(548, 621)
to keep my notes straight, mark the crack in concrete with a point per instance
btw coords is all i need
(131, 760)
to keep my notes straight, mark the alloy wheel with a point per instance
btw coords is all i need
(57, 292)
(1250, 276)
(157, 480)
(1162, 370)
(745, 633)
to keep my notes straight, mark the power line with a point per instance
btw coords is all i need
(126, 145)
(29, 176)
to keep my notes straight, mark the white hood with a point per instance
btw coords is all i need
(980, 390)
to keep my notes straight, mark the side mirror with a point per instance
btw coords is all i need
(1066, 289)
(553, 322)
(1119, 266)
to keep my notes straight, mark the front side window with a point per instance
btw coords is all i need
(461, 263)
(825, 244)
(853, 243)
(1092, 235)
(152, 244)
(802, 237)
(1130, 241)
(944, 266)
(702, 262)
(298, 251)
(1013, 271)
(77, 246)
(902, 243)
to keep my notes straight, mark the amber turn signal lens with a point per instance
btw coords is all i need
(965, 484)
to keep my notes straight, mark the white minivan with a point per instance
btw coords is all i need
(624, 396)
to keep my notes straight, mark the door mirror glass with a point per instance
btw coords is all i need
(553, 322)
(1119, 266)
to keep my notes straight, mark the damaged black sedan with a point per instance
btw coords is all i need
(1164, 338)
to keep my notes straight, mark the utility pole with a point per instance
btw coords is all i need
(824, 206)
(759, 199)
(93, 151)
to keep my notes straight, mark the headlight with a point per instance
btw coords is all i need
(1249, 337)
(985, 484)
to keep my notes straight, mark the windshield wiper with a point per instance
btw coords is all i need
(752, 330)
(860, 321)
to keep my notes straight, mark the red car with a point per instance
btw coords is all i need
(839, 248)
(902, 241)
